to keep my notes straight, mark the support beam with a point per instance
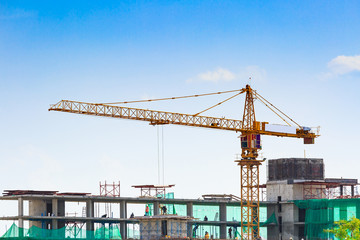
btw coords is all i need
(54, 211)
(341, 190)
(21, 214)
(90, 214)
(189, 213)
(156, 208)
(189, 209)
(222, 209)
(123, 214)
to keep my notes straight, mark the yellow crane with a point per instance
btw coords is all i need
(250, 130)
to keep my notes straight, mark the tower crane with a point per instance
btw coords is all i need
(250, 129)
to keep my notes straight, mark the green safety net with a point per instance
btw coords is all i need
(15, 232)
(212, 214)
(270, 220)
(322, 214)
(233, 213)
(171, 208)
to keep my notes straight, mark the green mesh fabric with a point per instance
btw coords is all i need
(270, 220)
(322, 213)
(36, 233)
(171, 208)
(233, 213)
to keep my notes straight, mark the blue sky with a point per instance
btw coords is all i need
(303, 56)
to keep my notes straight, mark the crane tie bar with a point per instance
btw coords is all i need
(172, 98)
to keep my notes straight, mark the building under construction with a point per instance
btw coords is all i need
(297, 201)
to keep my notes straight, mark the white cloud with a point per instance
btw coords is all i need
(225, 75)
(219, 74)
(343, 65)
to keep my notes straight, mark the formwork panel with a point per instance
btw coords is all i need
(296, 168)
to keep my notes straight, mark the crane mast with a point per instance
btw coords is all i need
(250, 129)
(249, 172)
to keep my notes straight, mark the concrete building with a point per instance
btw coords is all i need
(288, 180)
(292, 179)
(48, 211)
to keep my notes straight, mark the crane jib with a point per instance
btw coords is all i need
(161, 117)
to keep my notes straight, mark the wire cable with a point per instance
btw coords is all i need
(172, 98)
(273, 110)
(277, 109)
(219, 103)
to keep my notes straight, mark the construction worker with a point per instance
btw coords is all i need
(147, 210)
(230, 232)
(164, 209)
(206, 235)
(194, 230)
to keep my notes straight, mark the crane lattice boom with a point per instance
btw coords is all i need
(161, 117)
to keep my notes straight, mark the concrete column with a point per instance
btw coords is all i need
(21, 211)
(37, 208)
(21, 214)
(123, 215)
(90, 214)
(54, 213)
(189, 213)
(352, 190)
(341, 190)
(61, 212)
(189, 209)
(223, 231)
(156, 208)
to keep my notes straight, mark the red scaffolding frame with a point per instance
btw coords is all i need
(110, 190)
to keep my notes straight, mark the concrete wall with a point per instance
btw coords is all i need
(37, 208)
(47, 208)
(289, 214)
(284, 210)
(151, 228)
(272, 230)
(284, 190)
(177, 229)
(296, 168)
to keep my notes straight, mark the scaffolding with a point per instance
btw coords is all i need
(163, 226)
(110, 190)
(153, 191)
(330, 189)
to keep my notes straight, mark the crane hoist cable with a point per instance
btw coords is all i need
(161, 154)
